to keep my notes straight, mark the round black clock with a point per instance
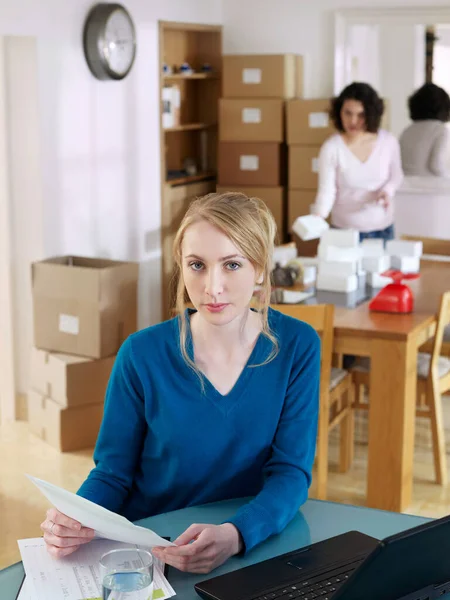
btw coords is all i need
(109, 41)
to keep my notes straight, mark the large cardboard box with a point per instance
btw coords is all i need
(251, 120)
(66, 429)
(303, 167)
(84, 306)
(252, 164)
(262, 76)
(272, 196)
(299, 204)
(70, 380)
(308, 122)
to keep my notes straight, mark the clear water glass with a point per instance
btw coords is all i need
(127, 574)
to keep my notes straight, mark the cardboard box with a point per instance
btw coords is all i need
(66, 429)
(337, 283)
(251, 120)
(299, 204)
(308, 122)
(303, 167)
(272, 196)
(251, 164)
(262, 76)
(84, 306)
(70, 380)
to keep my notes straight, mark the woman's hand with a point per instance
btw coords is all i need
(202, 548)
(383, 199)
(63, 535)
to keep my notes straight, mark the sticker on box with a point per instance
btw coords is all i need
(318, 120)
(251, 115)
(69, 324)
(251, 76)
(248, 162)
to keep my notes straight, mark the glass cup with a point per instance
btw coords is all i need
(127, 574)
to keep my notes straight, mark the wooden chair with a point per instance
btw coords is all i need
(433, 380)
(336, 391)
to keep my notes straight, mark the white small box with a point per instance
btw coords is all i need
(376, 280)
(376, 264)
(406, 264)
(342, 238)
(283, 254)
(404, 248)
(341, 268)
(335, 253)
(309, 227)
(334, 283)
(372, 247)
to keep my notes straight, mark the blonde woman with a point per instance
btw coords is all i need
(219, 402)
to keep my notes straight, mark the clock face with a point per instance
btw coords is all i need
(119, 42)
(109, 41)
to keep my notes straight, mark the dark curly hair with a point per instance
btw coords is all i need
(364, 93)
(429, 102)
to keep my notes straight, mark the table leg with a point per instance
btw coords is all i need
(393, 374)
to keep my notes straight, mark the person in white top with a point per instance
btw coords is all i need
(425, 144)
(359, 167)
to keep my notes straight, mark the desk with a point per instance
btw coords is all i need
(392, 342)
(315, 521)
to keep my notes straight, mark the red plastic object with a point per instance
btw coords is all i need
(395, 297)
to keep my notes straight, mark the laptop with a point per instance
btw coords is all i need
(411, 565)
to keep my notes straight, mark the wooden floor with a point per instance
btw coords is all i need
(22, 507)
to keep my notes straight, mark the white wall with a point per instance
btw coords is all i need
(99, 149)
(298, 26)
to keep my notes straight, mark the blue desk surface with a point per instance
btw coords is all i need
(316, 521)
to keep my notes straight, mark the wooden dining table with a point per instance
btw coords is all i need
(392, 341)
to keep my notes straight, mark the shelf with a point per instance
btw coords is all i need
(190, 127)
(191, 178)
(193, 76)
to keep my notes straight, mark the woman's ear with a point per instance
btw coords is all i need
(260, 279)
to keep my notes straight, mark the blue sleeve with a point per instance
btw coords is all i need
(287, 475)
(120, 440)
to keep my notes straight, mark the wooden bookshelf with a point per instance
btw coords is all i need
(196, 135)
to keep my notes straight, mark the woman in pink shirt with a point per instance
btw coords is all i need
(359, 167)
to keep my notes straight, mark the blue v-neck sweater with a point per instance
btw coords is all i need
(165, 444)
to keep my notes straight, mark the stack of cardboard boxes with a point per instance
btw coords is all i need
(252, 152)
(308, 126)
(84, 308)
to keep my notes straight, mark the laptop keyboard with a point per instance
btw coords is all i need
(321, 587)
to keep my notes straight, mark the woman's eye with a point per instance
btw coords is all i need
(233, 266)
(196, 266)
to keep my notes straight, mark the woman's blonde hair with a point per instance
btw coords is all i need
(249, 224)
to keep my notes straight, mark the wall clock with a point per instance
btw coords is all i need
(109, 40)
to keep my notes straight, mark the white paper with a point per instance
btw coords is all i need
(248, 162)
(318, 120)
(294, 297)
(251, 115)
(315, 165)
(251, 75)
(25, 592)
(106, 523)
(77, 576)
(69, 324)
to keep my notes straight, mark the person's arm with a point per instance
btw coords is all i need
(121, 436)
(395, 178)
(326, 193)
(288, 471)
(439, 157)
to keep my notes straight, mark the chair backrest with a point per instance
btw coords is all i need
(431, 245)
(321, 318)
(442, 323)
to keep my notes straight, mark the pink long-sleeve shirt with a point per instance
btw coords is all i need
(348, 187)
